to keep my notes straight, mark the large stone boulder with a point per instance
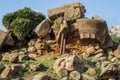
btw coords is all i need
(68, 11)
(90, 28)
(109, 70)
(11, 70)
(11, 57)
(66, 64)
(5, 39)
(43, 28)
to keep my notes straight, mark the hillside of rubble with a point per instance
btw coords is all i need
(65, 46)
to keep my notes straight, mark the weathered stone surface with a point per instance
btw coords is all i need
(71, 14)
(5, 39)
(85, 55)
(35, 67)
(15, 68)
(6, 72)
(70, 11)
(43, 28)
(110, 70)
(13, 57)
(31, 49)
(31, 43)
(11, 70)
(66, 64)
(116, 53)
(92, 26)
(63, 30)
(75, 75)
(91, 71)
(41, 46)
(23, 57)
(32, 56)
(5, 57)
(65, 78)
(91, 49)
(43, 76)
(115, 59)
(87, 77)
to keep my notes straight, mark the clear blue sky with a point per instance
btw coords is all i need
(109, 10)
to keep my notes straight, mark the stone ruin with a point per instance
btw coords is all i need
(70, 21)
(88, 51)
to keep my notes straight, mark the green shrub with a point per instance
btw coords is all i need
(115, 38)
(22, 22)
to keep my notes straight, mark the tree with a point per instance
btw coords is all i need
(22, 22)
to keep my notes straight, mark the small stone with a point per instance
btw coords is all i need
(85, 55)
(102, 59)
(104, 64)
(23, 57)
(34, 67)
(87, 77)
(115, 59)
(32, 56)
(90, 50)
(6, 72)
(75, 75)
(65, 78)
(98, 56)
(13, 57)
(43, 76)
(40, 52)
(62, 72)
(31, 49)
(97, 47)
(91, 71)
(31, 43)
(112, 79)
(99, 51)
(110, 57)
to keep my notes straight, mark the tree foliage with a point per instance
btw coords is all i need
(22, 21)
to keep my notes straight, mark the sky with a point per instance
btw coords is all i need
(106, 9)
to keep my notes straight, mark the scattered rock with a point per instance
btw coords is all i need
(13, 57)
(66, 64)
(91, 50)
(31, 43)
(34, 67)
(43, 28)
(5, 56)
(23, 57)
(11, 70)
(43, 76)
(75, 75)
(31, 49)
(6, 72)
(85, 55)
(110, 71)
(32, 56)
(87, 77)
(91, 71)
(65, 78)
(116, 53)
(5, 39)
(70, 11)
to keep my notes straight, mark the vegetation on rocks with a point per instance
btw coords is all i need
(22, 21)
(115, 38)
